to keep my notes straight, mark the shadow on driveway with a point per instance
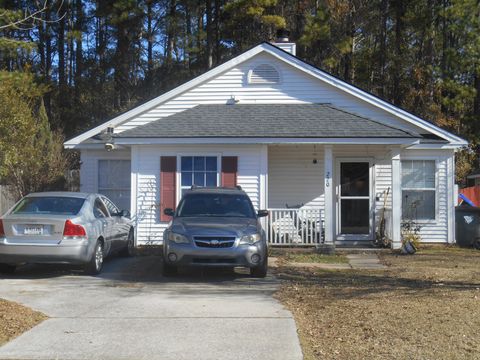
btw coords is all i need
(140, 270)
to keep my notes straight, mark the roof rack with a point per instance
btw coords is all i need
(194, 187)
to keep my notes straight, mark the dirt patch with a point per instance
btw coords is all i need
(425, 306)
(15, 319)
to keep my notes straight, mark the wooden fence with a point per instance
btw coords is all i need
(472, 193)
(6, 199)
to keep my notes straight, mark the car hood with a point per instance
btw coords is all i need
(222, 226)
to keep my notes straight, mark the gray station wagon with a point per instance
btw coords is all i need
(64, 227)
(215, 227)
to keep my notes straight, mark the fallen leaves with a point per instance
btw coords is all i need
(15, 319)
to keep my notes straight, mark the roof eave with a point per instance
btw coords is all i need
(267, 140)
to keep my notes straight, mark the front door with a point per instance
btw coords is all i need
(354, 200)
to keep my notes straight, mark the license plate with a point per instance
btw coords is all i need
(33, 230)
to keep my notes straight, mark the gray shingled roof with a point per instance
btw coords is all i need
(265, 121)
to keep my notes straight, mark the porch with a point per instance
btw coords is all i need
(328, 195)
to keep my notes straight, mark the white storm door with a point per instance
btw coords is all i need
(355, 215)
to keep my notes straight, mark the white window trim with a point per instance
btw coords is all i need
(178, 175)
(422, 158)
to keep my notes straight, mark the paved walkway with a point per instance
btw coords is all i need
(132, 312)
(366, 261)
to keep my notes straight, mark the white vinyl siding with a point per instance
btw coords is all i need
(295, 87)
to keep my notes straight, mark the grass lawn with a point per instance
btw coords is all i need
(304, 257)
(15, 319)
(425, 306)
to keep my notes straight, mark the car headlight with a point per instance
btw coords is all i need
(250, 239)
(178, 238)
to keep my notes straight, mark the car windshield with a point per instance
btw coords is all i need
(51, 205)
(214, 205)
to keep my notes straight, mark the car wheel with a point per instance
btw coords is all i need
(476, 243)
(94, 266)
(129, 249)
(261, 270)
(7, 268)
(169, 270)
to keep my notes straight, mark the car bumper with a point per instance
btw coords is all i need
(73, 253)
(238, 255)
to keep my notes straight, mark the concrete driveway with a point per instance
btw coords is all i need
(131, 311)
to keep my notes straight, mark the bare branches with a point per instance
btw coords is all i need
(30, 19)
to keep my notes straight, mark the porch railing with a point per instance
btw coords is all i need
(295, 227)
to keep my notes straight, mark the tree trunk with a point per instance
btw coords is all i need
(217, 32)
(188, 37)
(397, 69)
(383, 47)
(172, 11)
(78, 47)
(348, 73)
(208, 12)
(150, 38)
(61, 53)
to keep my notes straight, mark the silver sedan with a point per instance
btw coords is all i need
(64, 227)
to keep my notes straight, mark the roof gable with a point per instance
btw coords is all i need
(355, 95)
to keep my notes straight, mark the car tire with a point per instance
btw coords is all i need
(95, 265)
(169, 270)
(476, 243)
(129, 250)
(261, 270)
(7, 268)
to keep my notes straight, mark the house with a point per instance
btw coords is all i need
(328, 159)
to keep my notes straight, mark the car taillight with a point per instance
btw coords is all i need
(2, 230)
(72, 229)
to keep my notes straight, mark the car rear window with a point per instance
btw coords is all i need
(52, 205)
(216, 205)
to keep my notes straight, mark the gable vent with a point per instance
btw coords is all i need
(263, 74)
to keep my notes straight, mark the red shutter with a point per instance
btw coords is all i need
(229, 171)
(168, 169)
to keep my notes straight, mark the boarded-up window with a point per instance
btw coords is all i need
(114, 181)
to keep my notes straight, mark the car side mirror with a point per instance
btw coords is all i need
(262, 213)
(169, 212)
(124, 213)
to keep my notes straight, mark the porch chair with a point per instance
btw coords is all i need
(305, 227)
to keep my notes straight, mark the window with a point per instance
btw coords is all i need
(114, 181)
(418, 189)
(49, 205)
(198, 170)
(216, 205)
(112, 208)
(99, 209)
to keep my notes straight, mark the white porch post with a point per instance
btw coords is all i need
(396, 199)
(264, 184)
(134, 156)
(329, 196)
